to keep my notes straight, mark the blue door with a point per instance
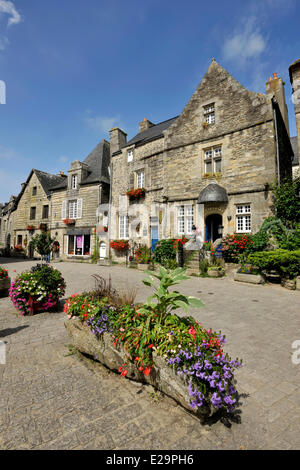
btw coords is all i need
(154, 237)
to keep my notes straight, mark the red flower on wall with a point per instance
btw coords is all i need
(120, 245)
(136, 193)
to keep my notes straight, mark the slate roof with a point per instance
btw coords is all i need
(152, 133)
(98, 164)
(48, 181)
(294, 142)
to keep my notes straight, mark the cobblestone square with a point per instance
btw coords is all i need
(51, 398)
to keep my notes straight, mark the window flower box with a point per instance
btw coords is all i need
(136, 194)
(69, 221)
(30, 228)
(120, 245)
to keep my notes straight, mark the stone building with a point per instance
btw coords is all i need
(80, 206)
(294, 71)
(211, 167)
(33, 207)
(7, 218)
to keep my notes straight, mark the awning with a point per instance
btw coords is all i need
(212, 193)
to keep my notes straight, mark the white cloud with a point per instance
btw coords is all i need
(246, 43)
(7, 7)
(102, 123)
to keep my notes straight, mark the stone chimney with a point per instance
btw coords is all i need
(294, 70)
(144, 125)
(118, 139)
(275, 87)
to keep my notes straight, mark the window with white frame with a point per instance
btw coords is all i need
(185, 219)
(123, 227)
(73, 209)
(243, 218)
(130, 155)
(213, 160)
(209, 113)
(140, 179)
(74, 182)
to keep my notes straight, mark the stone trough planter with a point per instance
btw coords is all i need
(215, 273)
(162, 376)
(4, 286)
(251, 278)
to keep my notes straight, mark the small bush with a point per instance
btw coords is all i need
(164, 251)
(285, 263)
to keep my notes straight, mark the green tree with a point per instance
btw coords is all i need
(287, 201)
(42, 243)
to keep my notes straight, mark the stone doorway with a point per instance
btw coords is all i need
(213, 227)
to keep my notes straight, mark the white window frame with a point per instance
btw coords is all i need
(185, 219)
(209, 113)
(140, 179)
(72, 211)
(129, 155)
(74, 181)
(243, 218)
(83, 240)
(123, 227)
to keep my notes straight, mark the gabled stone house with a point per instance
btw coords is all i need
(209, 168)
(33, 207)
(80, 205)
(7, 218)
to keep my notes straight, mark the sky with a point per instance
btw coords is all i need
(73, 69)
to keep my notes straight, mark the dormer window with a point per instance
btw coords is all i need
(74, 182)
(209, 113)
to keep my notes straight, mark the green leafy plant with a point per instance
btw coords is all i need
(285, 263)
(287, 201)
(42, 243)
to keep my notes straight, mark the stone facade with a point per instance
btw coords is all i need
(250, 148)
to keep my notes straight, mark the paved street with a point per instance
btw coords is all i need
(51, 398)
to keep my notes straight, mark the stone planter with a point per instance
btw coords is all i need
(143, 267)
(215, 273)
(251, 278)
(104, 262)
(162, 376)
(4, 286)
(289, 283)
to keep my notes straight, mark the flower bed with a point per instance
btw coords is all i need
(150, 343)
(37, 290)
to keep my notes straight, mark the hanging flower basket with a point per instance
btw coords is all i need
(105, 229)
(69, 221)
(136, 193)
(120, 245)
(30, 228)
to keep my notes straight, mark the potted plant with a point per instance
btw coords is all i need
(143, 257)
(4, 281)
(37, 290)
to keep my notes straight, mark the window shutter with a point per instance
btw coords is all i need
(64, 210)
(79, 208)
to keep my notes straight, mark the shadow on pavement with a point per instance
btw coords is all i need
(12, 331)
